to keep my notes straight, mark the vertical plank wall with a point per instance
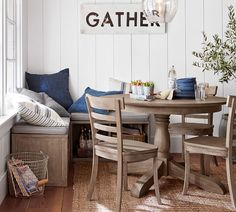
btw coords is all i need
(55, 42)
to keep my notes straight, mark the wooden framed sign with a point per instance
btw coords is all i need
(116, 19)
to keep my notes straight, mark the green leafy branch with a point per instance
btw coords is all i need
(219, 55)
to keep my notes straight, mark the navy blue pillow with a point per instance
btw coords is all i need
(80, 104)
(55, 85)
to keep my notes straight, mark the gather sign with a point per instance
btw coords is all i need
(116, 19)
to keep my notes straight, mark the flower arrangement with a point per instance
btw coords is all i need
(137, 82)
(142, 88)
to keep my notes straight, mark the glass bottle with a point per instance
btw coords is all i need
(172, 78)
(82, 140)
(89, 141)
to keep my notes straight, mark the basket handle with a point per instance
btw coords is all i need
(45, 156)
(43, 181)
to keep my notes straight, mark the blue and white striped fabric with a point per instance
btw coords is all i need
(37, 114)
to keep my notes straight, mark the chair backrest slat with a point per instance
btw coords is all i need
(109, 104)
(197, 116)
(105, 128)
(230, 131)
(106, 138)
(103, 117)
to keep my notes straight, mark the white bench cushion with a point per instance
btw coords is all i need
(127, 117)
(21, 127)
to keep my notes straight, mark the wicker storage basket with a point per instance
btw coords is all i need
(37, 162)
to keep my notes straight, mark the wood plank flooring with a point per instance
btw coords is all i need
(55, 199)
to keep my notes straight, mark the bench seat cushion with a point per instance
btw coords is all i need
(21, 127)
(128, 117)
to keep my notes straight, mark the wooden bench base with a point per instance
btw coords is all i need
(55, 146)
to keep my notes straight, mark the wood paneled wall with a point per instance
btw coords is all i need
(55, 42)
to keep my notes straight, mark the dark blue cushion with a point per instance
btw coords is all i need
(186, 80)
(55, 85)
(80, 105)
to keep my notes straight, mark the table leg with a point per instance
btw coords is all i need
(162, 135)
(144, 183)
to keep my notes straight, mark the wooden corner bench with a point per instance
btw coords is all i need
(53, 141)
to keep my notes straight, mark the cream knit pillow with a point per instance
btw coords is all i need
(38, 114)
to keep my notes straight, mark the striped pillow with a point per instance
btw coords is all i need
(37, 114)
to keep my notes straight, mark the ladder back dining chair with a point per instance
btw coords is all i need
(193, 128)
(108, 143)
(215, 146)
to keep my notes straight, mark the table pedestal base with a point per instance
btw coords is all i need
(143, 184)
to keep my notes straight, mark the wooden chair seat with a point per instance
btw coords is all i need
(206, 145)
(131, 150)
(191, 128)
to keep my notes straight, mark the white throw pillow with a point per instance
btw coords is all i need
(38, 114)
(117, 85)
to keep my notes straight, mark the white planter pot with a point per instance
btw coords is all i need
(134, 89)
(140, 90)
(146, 90)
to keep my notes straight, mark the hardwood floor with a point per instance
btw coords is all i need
(55, 199)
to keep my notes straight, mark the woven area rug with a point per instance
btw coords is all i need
(170, 190)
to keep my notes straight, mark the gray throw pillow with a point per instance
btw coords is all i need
(49, 102)
(38, 97)
(44, 99)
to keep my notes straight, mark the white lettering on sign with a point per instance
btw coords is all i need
(116, 19)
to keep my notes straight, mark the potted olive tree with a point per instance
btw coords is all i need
(219, 56)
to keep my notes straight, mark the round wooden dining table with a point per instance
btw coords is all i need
(162, 109)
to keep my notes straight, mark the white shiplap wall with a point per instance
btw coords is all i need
(55, 42)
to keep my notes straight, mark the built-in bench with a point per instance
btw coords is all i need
(53, 141)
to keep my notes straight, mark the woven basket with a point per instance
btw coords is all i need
(37, 162)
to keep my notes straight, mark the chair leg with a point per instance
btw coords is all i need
(183, 138)
(187, 172)
(207, 163)
(202, 164)
(119, 185)
(125, 176)
(93, 177)
(155, 178)
(215, 161)
(230, 181)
